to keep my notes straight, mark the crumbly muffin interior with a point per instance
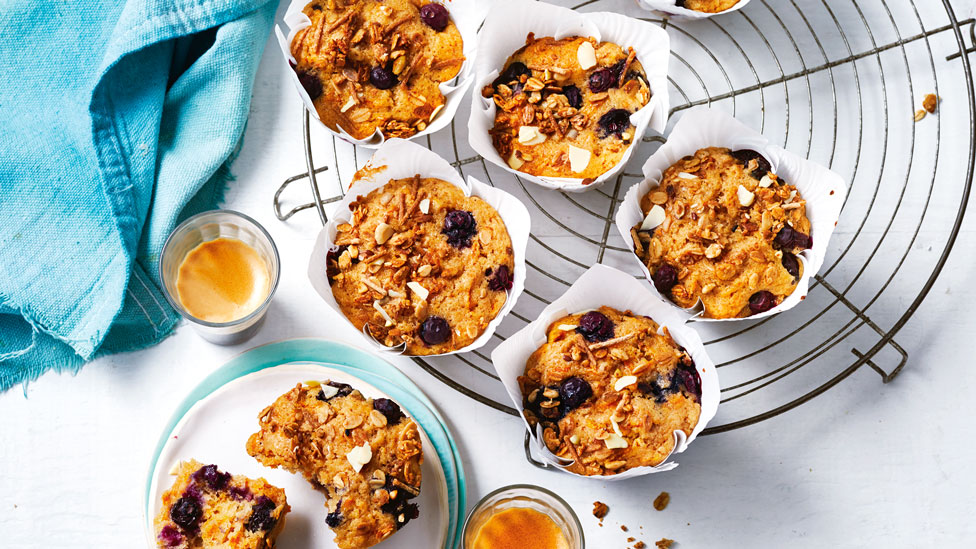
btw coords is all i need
(564, 106)
(421, 264)
(726, 230)
(363, 454)
(609, 391)
(377, 64)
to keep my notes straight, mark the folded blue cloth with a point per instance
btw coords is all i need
(120, 118)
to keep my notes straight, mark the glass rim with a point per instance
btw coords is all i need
(530, 487)
(257, 311)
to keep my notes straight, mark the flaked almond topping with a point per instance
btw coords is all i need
(375, 286)
(424, 270)
(791, 197)
(586, 55)
(530, 135)
(533, 84)
(713, 251)
(437, 111)
(766, 181)
(337, 481)
(329, 391)
(746, 197)
(425, 206)
(624, 382)
(515, 162)
(616, 427)
(574, 438)
(659, 197)
(654, 218)
(610, 342)
(579, 158)
(567, 327)
(386, 316)
(360, 456)
(394, 293)
(686, 175)
(626, 136)
(615, 441)
(350, 103)
(383, 233)
(416, 288)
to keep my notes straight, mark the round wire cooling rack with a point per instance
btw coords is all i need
(838, 81)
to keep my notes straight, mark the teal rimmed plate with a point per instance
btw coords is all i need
(213, 422)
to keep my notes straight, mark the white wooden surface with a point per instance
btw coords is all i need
(864, 465)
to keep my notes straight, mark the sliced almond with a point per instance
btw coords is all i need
(350, 103)
(579, 158)
(574, 438)
(329, 391)
(567, 327)
(686, 175)
(383, 313)
(530, 135)
(437, 111)
(359, 456)
(383, 233)
(586, 55)
(766, 181)
(654, 218)
(615, 441)
(515, 162)
(746, 197)
(624, 382)
(416, 288)
(425, 206)
(424, 270)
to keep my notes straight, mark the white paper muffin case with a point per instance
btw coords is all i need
(669, 9)
(701, 127)
(602, 285)
(506, 27)
(400, 159)
(467, 16)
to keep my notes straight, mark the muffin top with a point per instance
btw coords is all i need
(706, 6)
(207, 507)
(377, 64)
(609, 391)
(363, 454)
(421, 264)
(564, 106)
(722, 228)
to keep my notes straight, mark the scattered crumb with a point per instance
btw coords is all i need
(919, 114)
(623, 527)
(631, 539)
(662, 500)
(640, 545)
(930, 102)
(600, 509)
(664, 543)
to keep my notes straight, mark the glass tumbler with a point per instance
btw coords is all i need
(205, 227)
(524, 496)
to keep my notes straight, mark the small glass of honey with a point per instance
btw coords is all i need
(220, 270)
(522, 516)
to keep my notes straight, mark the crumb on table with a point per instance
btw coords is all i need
(600, 509)
(640, 545)
(662, 500)
(664, 543)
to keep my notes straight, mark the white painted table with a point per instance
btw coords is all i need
(863, 465)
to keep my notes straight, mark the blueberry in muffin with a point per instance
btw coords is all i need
(564, 106)
(207, 507)
(363, 454)
(377, 64)
(722, 228)
(422, 265)
(609, 391)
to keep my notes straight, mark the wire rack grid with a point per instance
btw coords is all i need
(837, 81)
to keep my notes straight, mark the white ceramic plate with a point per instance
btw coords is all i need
(216, 429)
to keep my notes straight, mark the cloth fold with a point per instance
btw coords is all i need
(120, 118)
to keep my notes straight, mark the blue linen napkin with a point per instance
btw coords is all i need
(119, 118)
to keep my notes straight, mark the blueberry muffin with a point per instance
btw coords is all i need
(420, 264)
(609, 391)
(724, 229)
(564, 106)
(209, 508)
(706, 6)
(377, 64)
(363, 454)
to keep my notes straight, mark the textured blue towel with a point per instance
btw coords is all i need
(118, 118)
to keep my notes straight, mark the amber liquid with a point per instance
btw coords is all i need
(222, 280)
(520, 528)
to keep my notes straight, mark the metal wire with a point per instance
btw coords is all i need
(767, 61)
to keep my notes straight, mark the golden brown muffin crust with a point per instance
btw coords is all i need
(539, 100)
(707, 6)
(349, 38)
(395, 249)
(724, 252)
(643, 387)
